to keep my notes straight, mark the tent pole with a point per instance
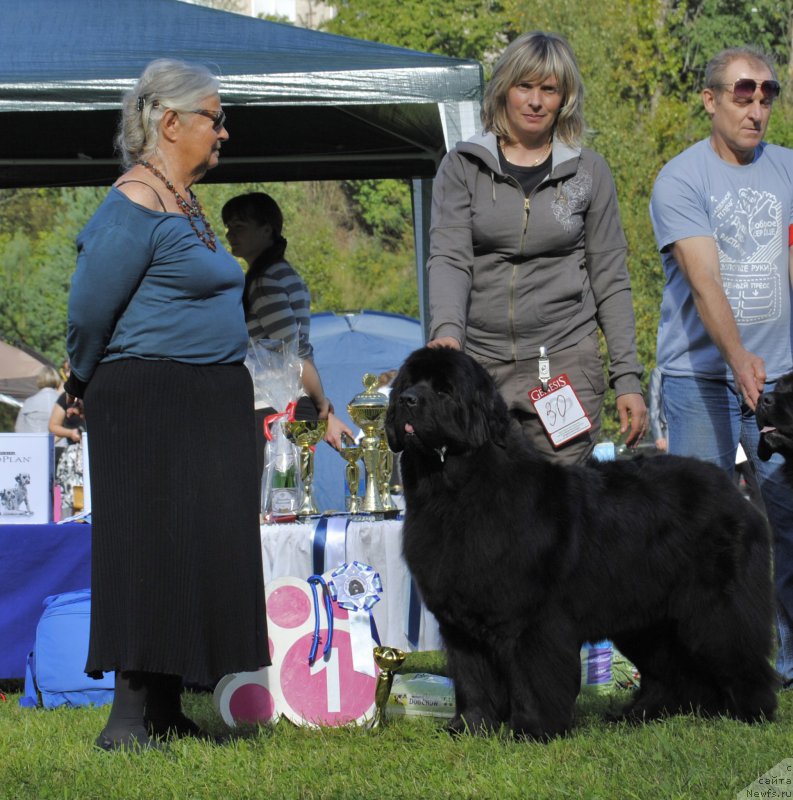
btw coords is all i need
(422, 202)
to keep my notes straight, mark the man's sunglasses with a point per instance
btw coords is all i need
(218, 117)
(744, 88)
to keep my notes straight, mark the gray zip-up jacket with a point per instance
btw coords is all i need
(510, 273)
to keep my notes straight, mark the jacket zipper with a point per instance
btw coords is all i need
(526, 211)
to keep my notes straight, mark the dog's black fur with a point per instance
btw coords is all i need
(774, 416)
(522, 560)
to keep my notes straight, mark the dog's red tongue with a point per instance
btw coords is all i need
(408, 428)
(767, 429)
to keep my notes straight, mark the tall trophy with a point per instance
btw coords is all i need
(306, 434)
(367, 409)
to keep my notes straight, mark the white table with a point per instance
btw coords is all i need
(288, 550)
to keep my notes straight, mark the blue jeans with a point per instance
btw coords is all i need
(707, 420)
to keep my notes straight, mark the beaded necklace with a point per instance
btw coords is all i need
(192, 212)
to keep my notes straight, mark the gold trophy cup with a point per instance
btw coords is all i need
(389, 659)
(306, 433)
(368, 410)
(351, 453)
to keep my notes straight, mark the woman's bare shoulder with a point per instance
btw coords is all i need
(136, 184)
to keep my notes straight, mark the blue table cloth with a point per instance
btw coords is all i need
(35, 562)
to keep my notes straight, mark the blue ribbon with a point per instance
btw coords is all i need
(313, 581)
(356, 587)
(328, 543)
(318, 546)
(373, 626)
(414, 615)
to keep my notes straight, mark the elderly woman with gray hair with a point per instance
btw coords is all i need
(157, 340)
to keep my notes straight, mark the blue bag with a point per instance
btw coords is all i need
(55, 672)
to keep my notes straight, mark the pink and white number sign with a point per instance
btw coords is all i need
(329, 692)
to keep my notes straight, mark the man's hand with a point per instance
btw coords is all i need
(748, 370)
(335, 430)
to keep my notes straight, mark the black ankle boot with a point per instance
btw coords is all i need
(130, 741)
(164, 717)
(125, 728)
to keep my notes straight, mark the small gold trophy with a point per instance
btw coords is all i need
(368, 410)
(386, 468)
(389, 659)
(351, 452)
(305, 433)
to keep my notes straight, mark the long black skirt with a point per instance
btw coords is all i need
(176, 573)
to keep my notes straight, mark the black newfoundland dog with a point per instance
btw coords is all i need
(774, 416)
(522, 560)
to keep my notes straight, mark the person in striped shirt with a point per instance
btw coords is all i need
(276, 299)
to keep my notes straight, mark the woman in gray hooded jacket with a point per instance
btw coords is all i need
(527, 252)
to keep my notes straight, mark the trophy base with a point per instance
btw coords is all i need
(374, 516)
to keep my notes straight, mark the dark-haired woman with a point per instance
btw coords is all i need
(277, 301)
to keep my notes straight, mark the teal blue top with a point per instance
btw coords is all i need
(147, 287)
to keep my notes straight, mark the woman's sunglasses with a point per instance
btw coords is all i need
(218, 117)
(744, 88)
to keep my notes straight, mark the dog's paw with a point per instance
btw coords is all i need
(473, 724)
(456, 727)
(532, 730)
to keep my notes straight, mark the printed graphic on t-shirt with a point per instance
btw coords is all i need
(748, 233)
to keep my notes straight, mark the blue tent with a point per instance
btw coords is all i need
(345, 347)
(301, 104)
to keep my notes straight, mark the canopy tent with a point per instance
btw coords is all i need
(301, 104)
(345, 347)
(19, 366)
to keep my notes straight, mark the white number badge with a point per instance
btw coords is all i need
(560, 410)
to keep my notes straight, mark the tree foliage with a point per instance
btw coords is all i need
(474, 29)
(457, 28)
(36, 262)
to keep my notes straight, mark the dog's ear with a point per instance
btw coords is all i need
(488, 418)
(395, 438)
(392, 435)
(499, 419)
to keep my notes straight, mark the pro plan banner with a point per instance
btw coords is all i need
(26, 463)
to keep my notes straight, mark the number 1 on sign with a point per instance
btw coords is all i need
(332, 678)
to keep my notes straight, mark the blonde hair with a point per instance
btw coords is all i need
(48, 378)
(534, 56)
(165, 83)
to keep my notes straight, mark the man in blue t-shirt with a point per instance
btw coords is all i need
(722, 212)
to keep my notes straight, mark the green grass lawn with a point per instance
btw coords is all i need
(49, 754)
